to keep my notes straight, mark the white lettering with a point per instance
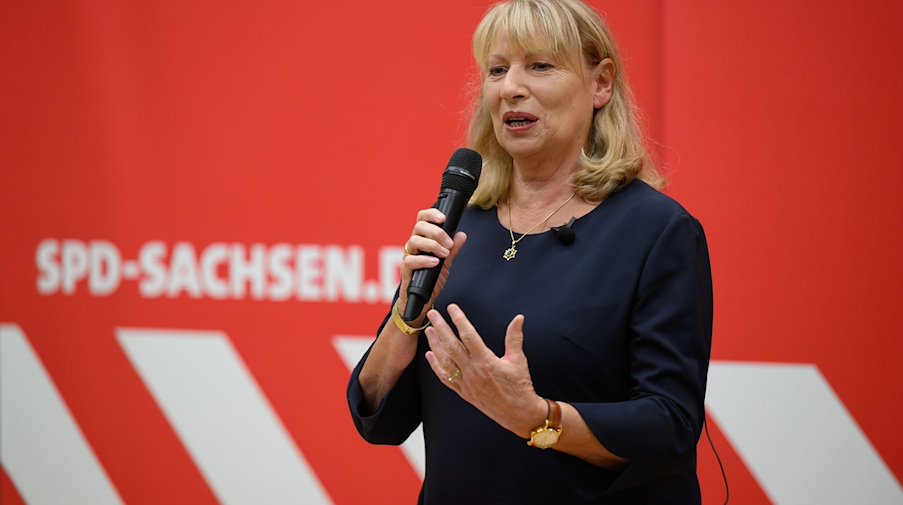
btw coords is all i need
(49, 278)
(183, 274)
(106, 268)
(307, 264)
(390, 270)
(219, 271)
(151, 260)
(242, 271)
(214, 256)
(344, 274)
(281, 272)
(75, 264)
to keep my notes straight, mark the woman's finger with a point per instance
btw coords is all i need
(432, 215)
(417, 245)
(439, 351)
(449, 374)
(514, 337)
(469, 336)
(418, 261)
(434, 232)
(447, 341)
(458, 242)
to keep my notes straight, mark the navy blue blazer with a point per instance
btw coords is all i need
(618, 324)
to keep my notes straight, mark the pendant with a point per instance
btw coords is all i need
(510, 253)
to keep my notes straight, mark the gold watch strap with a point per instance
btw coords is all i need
(403, 326)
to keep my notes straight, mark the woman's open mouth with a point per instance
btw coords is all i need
(519, 120)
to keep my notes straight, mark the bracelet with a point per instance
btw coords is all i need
(403, 326)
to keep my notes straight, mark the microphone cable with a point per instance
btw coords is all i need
(727, 488)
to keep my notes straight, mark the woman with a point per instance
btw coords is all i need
(597, 350)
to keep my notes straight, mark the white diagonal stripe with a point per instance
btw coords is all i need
(41, 447)
(221, 415)
(796, 437)
(351, 349)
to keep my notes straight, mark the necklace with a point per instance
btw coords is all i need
(511, 252)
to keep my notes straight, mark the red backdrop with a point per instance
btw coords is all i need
(255, 167)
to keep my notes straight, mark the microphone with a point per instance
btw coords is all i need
(459, 181)
(565, 233)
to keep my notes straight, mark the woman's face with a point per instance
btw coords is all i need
(540, 109)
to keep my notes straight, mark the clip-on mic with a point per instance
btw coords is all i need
(565, 233)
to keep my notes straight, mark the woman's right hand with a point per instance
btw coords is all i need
(393, 350)
(427, 244)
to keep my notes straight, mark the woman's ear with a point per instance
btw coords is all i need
(603, 76)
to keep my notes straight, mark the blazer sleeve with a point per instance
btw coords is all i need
(670, 333)
(396, 417)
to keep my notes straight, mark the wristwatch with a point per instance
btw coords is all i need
(547, 435)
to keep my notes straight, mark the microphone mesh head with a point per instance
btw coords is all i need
(468, 160)
(463, 171)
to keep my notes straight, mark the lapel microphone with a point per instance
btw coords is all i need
(565, 232)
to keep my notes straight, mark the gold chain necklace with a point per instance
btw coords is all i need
(511, 252)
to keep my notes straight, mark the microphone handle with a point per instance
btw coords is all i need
(451, 203)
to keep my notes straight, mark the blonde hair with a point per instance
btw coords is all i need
(573, 33)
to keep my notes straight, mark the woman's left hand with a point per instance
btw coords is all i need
(501, 388)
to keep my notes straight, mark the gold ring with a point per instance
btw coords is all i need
(407, 251)
(454, 376)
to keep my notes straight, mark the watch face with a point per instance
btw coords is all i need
(545, 438)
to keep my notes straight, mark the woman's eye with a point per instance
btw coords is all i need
(497, 70)
(542, 66)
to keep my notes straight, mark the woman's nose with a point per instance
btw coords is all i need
(514, 87)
